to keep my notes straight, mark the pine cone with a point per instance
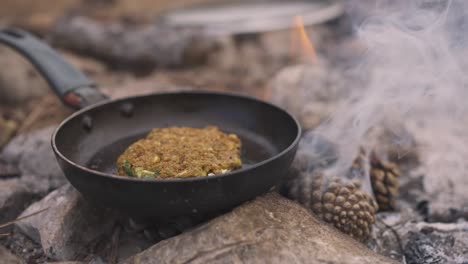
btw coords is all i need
(358, 168)
(385, 182)
(343, 205)
(399, 144)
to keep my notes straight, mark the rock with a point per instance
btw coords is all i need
(33, 154)
(14, 197)
(132, 241)
(270, 229)
(35, 172)
(70, 226)
(7, 258)
(38, 175)
(421, 242)
(8, 171)
(309, 92)
(23, 247)
(20, 82)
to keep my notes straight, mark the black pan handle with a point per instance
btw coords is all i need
(70, 84)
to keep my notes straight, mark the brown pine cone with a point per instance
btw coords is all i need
(358, 168)
(399, 144)
(343, 205)
(385, 182)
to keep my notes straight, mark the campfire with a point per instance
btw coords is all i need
(341, 133)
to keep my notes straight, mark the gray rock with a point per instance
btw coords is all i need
(33, 154)
(270, 229)
(309, 92)
(14, 197)
(23, 247)
(70, 227)
(20, 82)
(407, 239)
(132, 242)
(7, 258)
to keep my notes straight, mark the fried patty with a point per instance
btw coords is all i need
(181, 152)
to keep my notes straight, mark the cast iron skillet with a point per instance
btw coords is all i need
(88, 142)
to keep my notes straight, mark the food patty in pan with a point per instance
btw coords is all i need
(181, 152)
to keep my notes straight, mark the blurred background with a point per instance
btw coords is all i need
(135, 47)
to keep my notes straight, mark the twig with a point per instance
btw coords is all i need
(5, 235)
(39, 110)
(8, 171)
(397, 236)
(22, 218)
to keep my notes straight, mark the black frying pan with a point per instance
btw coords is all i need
(88, 142)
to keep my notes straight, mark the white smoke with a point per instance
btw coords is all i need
(412, 69)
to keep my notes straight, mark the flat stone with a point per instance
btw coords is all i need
(33, 154)
(420, 242)
(70, 227)
(7, 258)
(14, 197)
(270, 229)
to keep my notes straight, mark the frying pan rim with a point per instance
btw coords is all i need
(173, 180)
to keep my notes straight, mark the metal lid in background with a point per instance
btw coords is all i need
(253, 16)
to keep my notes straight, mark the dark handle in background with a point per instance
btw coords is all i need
(70, 84)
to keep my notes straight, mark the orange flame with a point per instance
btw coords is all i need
(301, 45)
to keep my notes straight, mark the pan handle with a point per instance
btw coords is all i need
(71, 85)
